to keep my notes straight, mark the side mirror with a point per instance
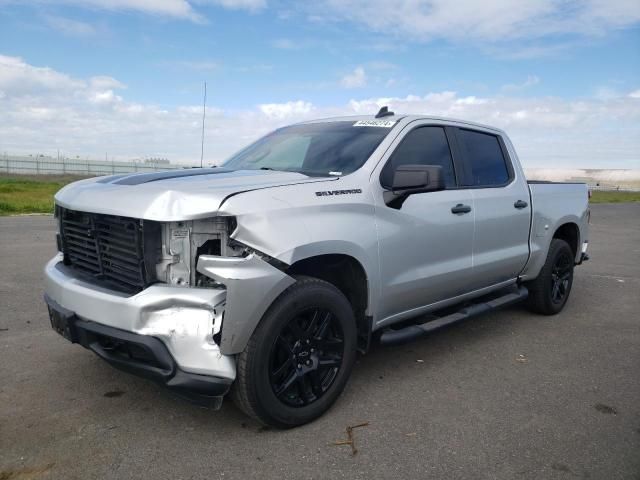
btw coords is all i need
(411, 179)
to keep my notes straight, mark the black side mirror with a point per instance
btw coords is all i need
(411, 179)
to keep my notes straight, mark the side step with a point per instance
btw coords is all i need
(406, 334)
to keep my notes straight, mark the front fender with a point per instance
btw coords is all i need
(252, 285)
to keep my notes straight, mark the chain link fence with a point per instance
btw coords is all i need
(45, 165)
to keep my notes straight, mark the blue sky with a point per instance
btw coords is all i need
(124, 77)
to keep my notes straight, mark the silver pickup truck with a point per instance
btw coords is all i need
(265, 276)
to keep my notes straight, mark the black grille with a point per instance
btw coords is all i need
(108, 248)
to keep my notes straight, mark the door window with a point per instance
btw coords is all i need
(485, 158)
(422, 146)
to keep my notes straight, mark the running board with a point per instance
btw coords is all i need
(406, 334)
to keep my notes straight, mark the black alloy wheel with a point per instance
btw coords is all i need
(561, 277)
(549, 291)
(306, 357)
(299, 358)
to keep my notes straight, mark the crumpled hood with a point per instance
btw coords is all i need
(170, 195)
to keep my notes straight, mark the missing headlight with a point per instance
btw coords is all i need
(210, 247)
(184, 242)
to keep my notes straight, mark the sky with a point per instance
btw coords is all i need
(123, 79)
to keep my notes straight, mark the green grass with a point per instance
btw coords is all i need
(30, 194)
(614, 197)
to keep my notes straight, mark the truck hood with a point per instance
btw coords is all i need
(171, 195)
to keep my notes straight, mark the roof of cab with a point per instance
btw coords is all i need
(405, 119)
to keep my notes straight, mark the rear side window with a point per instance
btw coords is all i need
(485, 158)
(422, 146)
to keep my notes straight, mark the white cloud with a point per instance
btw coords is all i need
(43, 110)
(170, 8)
(490, 20)
(503, 112)
(70, 27)
(606, 93)
(281, 111)
(182, 9)
(17, 78)
(251, 5)
(547, 131)
(355, 79)
(105, 82)
(104, 97)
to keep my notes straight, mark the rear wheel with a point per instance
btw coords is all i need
(298, 360)
(549, 292)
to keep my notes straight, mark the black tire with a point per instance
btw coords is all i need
(285, 338)
(549, 293)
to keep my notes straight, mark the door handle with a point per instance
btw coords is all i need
(460, 208)
(520, 204)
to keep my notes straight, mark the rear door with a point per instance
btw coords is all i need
(501, 205)
(425, 248)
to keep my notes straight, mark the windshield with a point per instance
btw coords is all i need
(327, 148)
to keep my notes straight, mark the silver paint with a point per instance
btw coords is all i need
(251, 285)
(183, 318)
(416, 259)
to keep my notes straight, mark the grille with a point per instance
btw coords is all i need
(108, 248)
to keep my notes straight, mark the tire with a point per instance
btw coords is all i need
(298, 360)
(549, 292)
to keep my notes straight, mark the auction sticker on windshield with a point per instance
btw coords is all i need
(375, 123)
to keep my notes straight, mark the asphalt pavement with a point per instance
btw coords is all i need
(510, 395)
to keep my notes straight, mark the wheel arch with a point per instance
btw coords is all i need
(570, 233)
(566, 228)
(348, 275)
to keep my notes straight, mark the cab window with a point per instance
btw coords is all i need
(422, 146)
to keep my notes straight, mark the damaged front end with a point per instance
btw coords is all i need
(252, 284)
(184, 242)
(193, 304)
(201, 254)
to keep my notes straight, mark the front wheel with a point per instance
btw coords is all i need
(549, 292)
(300, 356)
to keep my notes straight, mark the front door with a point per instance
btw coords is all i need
(425, 246)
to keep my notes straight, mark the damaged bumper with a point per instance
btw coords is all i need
(140, 355)
(184, 337)
(182, 321)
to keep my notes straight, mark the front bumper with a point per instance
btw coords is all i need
(140, 355)
(175, 324)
